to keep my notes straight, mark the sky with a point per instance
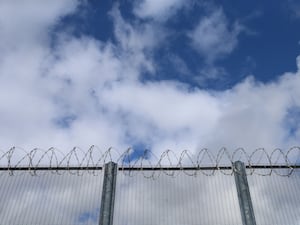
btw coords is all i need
(149, 74)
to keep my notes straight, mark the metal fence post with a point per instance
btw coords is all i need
(108, 194)
(243, 191)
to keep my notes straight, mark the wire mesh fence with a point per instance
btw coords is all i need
(176, 201)
(47, 187)
(50, 199)
(276, 199)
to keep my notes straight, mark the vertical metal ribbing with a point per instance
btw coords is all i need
(108, 194)
(243, 193)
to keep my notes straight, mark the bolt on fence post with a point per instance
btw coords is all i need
(108, 194)
(243, 191)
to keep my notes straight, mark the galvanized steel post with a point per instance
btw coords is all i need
(243, 191)
(108, 194)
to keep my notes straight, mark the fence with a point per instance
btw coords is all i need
(44, 187)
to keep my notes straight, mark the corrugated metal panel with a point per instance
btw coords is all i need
(180, 200)
(50, 199)
(276, 199)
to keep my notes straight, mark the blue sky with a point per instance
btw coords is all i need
(146, 74)
(153, 74)
(266, 46)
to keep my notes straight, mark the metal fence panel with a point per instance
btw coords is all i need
(50, 199)
(178, 200)
(276, 199)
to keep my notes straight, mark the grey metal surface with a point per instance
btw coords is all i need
(150, 197)
(50, 199)
(108, 194)
(180, 199)
(275, 199)
(243, 192)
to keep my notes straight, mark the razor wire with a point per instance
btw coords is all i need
(207, 162)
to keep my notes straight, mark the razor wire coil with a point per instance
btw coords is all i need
(203, 161)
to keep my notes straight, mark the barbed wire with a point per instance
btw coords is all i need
(207, 162)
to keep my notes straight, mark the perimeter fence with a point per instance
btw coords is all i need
(49, 187)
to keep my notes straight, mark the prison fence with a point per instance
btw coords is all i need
(47, 187)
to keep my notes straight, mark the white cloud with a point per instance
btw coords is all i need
(30, 21)
(158, 10)
(136, 42)
(180, 65)
(211, 72)
(98, 85)
(84, 92)
(298, 62)
(214, 37)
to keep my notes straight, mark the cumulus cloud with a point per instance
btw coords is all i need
(136, 42)
(83, 91)
(24, 23)
(158, 10)
(298, 63)
(214, 37)
(211, 72)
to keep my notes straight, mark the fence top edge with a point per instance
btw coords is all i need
(131, 160)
